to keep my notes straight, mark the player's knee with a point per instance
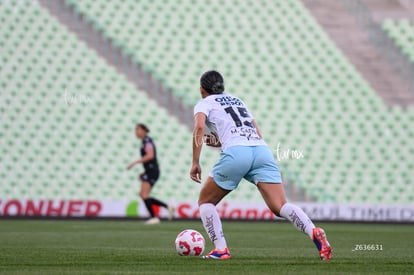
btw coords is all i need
(206, 199)
(277, 213)
(276, 207)
(202, 201)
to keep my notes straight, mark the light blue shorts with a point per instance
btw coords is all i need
(253, 163)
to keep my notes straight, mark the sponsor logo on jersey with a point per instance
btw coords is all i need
(228, 101)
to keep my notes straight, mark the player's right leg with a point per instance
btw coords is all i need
(210, 195)
(274, 196)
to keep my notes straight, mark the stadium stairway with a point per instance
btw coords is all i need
(355, 41)
(136, 72)
(385, 9)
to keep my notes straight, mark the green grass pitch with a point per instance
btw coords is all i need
(130, 247)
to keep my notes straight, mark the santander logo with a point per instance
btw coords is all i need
(189, 211)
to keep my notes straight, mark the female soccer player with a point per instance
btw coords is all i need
(244, 155)
(151, 173)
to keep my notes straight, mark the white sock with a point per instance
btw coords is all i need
(298, 218)
(212, 224)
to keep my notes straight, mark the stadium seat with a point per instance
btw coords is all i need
(402, 33)
(73, 118)
(302, 90)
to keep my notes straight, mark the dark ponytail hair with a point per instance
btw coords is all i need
(143, 126)
(212, 82)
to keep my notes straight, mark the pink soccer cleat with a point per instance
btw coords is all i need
(321, 242)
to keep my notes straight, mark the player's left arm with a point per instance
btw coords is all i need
(257, 128)
(198, 134)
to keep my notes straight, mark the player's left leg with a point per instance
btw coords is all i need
(226, 174)
(146, 188)
(211, 192)
(274, 196)
(145, 191)
(150, 177)
(210, 195)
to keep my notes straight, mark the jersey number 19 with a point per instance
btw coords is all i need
(236, 118)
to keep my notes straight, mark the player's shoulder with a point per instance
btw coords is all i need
(203, 102)
(147, 139)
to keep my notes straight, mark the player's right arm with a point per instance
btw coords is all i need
(149, 155)
(198, 134)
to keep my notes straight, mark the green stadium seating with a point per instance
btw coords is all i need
(402, 33)
(68, 119)
(304, 93)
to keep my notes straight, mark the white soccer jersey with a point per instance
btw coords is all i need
(229, 118)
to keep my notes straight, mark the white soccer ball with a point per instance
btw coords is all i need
(189, 243)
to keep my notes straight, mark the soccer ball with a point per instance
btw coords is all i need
(189, 243)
